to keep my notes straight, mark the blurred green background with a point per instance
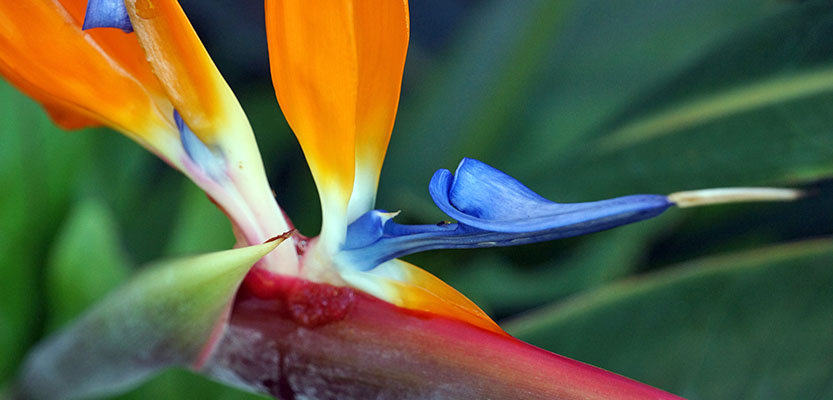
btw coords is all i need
(581, 100)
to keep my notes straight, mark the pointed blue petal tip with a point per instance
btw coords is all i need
(491, 209)
(107, 14)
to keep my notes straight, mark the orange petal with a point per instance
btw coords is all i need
(189, 77)
(44, 52)
(426, 292)
(382, 32)
(63, 114)
(312, 55)
(408, 286)
(67, 118)
(120, 46)
(337, 68)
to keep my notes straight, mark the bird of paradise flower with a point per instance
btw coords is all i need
(335, 316)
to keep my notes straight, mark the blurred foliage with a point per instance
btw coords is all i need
(88, 239)
(581, 100)
(748, 325)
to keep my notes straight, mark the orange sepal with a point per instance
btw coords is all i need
(382, 34)
(67, 118)
(425, 292)
(62, 114)
(118, 45)
(337, 71)
(44, 53)
(180, 62)
(312, 54)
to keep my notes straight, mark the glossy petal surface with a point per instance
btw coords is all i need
(336, 67)
(483, 197)
(190, 80)
(82, 78)
(382, 33)
(408, 286)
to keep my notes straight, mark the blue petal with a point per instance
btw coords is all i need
(492, 209)
(107, 14)
(367, 229)
(213, 165)
(481, 196)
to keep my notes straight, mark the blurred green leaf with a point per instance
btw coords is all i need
(755, 110)
(86, 261)
(754, 324)
(502, 286)
(17, 265)
(525, 81)
(153, 209)
(609, 55)
(488, 70)
(38, 163)
(182, 384)
(200, 226)
(125, 169)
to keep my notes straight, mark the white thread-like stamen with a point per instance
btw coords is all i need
(695, 198)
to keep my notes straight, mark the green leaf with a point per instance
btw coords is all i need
(753, 111)
(521, 86)
(182, 384)
(38, 166)
(612, 52)
(85, 263)
(200, 226)
(754, 324)
(491, 66)
(503, 287)
(524, 82)
(163, 317)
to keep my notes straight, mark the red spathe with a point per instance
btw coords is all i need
(320, 342)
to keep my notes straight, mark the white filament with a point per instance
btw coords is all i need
(695, 198)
